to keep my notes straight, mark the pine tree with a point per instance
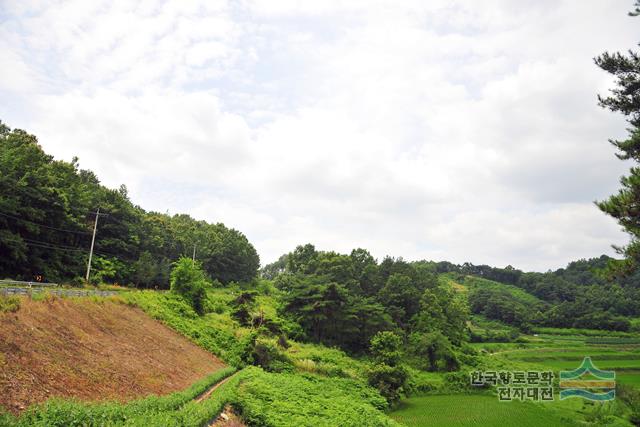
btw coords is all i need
(625, 98)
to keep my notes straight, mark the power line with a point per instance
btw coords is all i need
(47, 245)
(42, 225)
(44, 245)
(60, 245)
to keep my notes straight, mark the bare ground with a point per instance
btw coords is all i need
(92, 351)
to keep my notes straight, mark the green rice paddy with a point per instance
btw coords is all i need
(548, 351)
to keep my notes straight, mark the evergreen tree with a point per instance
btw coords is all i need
(625, 98)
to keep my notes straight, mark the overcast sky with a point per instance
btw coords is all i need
(442, 130)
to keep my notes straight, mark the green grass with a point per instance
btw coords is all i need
(585, 332)
(296, 400)
(629, 377)
(474, 410)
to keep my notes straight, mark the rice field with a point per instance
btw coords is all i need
(565, 352)
(546, 351)
(475, 410)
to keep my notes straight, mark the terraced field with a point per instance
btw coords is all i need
(565, 352)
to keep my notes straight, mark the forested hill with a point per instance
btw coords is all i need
(582, 295)
(47, 211)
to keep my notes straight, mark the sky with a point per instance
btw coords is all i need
(438, 130)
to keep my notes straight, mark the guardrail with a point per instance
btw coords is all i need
(50, 288)
(28, 284)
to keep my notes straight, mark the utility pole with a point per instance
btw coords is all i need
(194, 253)
(93, 240)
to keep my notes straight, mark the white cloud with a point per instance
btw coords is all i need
(446, 130)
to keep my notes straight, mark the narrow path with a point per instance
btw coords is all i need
(227, 418)
(213, 388)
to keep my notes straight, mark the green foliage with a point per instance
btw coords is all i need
(390, 381)
(189, 280)
(331, 362)
(242, 307)
(46, 222)
(267, 399)
(345, 300)
(501, 305)
(625, 99)
(385, 348)
(442, 310)
(475, 410)
(266, 353)
(386, 375)
(435, 351)
(147, 271)
(9, 304)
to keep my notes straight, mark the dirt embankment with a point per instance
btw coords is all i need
(92, 351)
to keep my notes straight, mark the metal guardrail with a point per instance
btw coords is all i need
(28, 284)
(11, 290)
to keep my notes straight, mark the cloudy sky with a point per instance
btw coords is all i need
(444, 130)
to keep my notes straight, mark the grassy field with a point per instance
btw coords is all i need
(475, 410)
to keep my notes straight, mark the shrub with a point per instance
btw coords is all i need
(265, 353)
(385, 347)
(390, 381)
(385, 375)
(436, 350)
(188, 279)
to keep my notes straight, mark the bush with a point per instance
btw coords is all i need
(435, 350)
(457, 381)
(188, 279)
(385, 347)
(390, 381)
(385, 375)
(265, 353)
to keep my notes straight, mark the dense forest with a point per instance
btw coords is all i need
(47, 213)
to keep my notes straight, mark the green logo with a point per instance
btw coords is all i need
(601, 385)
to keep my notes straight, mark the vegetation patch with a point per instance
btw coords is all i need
(295, 400)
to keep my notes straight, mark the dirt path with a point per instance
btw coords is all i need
(213, 388)
(227, 418)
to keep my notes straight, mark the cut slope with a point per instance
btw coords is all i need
(92, 350)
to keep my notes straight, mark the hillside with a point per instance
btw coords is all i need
(91, 349)
(469, 282)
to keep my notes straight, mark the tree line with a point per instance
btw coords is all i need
(346, 300)
(47, 211)
(581, 295)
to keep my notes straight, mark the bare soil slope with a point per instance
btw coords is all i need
(92, 351)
